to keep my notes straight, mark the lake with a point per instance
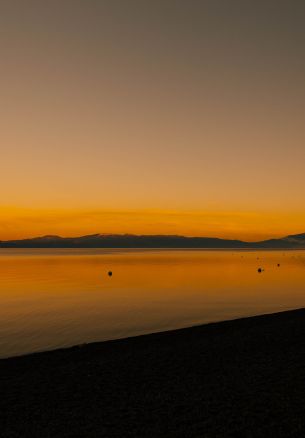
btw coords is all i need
(53, 298)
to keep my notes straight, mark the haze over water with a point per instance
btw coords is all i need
(57, 298)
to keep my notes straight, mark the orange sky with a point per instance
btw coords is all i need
(152, 117)
(20, 223)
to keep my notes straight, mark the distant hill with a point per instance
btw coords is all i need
(151, 241)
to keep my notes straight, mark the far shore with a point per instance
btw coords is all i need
(141, 249)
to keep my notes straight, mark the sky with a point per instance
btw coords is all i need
(157, 117)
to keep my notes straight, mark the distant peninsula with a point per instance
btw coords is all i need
(152, 241)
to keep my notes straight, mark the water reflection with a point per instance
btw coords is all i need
(55, 298)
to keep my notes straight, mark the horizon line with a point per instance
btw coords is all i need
(56, 236)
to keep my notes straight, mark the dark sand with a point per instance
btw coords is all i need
(243, 378)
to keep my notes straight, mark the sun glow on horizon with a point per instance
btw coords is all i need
(18, 223)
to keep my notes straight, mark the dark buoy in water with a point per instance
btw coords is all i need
(260, 270)
(110, 273)
(278, 265)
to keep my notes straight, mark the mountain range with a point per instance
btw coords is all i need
(152, 241)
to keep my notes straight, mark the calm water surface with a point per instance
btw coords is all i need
(57, 298)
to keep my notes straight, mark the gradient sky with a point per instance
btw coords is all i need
(161, 116)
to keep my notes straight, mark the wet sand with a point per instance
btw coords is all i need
(242, 378)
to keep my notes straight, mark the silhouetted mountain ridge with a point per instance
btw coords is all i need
(151, 241)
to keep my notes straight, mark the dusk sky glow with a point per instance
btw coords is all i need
(157, 117)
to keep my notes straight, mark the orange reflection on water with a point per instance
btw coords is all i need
(55, 298)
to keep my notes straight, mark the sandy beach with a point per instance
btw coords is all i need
(237, 378)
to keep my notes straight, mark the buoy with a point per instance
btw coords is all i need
(110, 273)
(260, 270)
(278, 265)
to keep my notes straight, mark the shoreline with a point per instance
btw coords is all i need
(152, 248)
(242, 377)
(161, 333)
